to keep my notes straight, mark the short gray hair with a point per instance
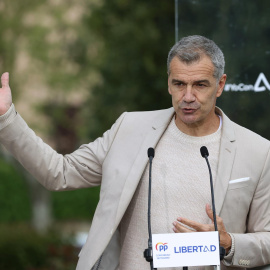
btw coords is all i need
(191, 48)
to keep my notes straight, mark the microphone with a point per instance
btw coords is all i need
(151, 152)
(148, 253)
(204, 151)
(205, 154)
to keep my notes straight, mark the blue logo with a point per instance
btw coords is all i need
(193, 249)
(161, 246)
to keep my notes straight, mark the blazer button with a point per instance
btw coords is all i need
(244, 262)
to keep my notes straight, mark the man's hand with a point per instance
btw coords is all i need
(225, 238)
(5, 94)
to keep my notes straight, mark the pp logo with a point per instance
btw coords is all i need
(161, 246)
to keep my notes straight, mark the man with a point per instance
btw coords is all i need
(181, 193)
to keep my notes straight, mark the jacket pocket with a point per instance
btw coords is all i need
(239, 183)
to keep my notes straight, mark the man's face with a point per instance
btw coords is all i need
(194, 90)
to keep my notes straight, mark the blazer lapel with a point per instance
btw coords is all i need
(226, 159)
(151, 139)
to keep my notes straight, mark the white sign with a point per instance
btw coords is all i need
(185, 249)
(260, 85)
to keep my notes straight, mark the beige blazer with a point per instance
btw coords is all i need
(117, 160)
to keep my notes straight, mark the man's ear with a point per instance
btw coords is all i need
(221, 85)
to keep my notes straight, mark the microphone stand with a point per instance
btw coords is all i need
(148, 253)
(205, 154)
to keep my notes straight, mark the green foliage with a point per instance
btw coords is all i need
(135, 40)
(14, 199)
(76, 204)
(22, 248)
(11, 29)
(15, 202)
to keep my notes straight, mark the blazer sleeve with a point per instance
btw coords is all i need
(80, 169)
(253, 248)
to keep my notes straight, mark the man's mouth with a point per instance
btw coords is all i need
(188, 110)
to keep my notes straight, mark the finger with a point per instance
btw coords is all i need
(179, 228)
(209, 211)
(5, 79)
(211, 215)
(220, 224)
(194, 225)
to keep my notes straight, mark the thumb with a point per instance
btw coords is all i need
(5, 79)
(209, 211)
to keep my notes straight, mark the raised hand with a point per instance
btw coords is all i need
(5, 94)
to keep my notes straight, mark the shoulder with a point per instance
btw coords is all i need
(244, 133)
(242, 136)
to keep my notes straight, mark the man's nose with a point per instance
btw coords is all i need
(189, 94)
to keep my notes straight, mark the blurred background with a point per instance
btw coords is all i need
(75, 66)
